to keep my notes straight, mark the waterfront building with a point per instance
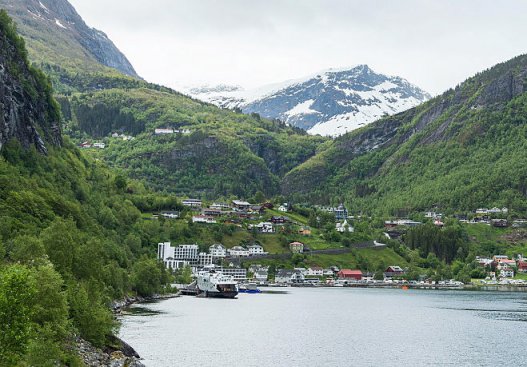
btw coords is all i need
(239, 274)
(205, 259)
(507, 273)
(284, 276)
(393, 271)
(261, 275)
(178, 257)
(315, 272)
(349, 274)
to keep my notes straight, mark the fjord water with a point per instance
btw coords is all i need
(333, 327)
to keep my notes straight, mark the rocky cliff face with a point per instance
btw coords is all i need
(57, 21)
(28, 111)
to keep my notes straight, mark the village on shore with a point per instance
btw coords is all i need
(242, 261)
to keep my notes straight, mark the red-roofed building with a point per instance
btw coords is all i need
(350, 274)
(522, 266)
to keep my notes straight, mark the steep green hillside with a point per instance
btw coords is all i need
(225, 153)
(462, 150)
(220, 153)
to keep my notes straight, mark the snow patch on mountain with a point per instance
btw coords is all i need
(330, 103)
(303, 108)
(57, 22)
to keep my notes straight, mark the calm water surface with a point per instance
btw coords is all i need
(333, 327)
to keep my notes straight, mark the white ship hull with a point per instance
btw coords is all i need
(215, 284)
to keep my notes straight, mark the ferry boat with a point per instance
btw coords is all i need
(212, 283)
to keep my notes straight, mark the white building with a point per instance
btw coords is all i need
(99, 145)
(261, 275)
(165, 251)
(163, 131)
(241, 205)
(193, 203)
(178, 257)
(205, 259)
(289, 276)
(203, 219)
(238, 251)
(256, 250)
(344, 226)
(507, 273)
(263, 227)
(182, 131)
(218, 250)
(220, 206)
(239, 274)
(315, 272)
(282, 208)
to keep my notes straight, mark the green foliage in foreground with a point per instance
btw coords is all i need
(71, 241)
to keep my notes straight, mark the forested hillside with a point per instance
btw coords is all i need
(224, 153)
(215, 153)
(462, 150)
(71, 239)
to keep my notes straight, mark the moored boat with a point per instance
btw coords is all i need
(212, 283)
(250, 288)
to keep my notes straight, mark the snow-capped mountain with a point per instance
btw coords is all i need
(330, 103)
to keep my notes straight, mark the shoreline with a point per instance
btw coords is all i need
(117, 352)
(119, 305)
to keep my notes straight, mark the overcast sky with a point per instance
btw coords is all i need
(435, 44)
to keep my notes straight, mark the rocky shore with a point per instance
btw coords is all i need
(120, 354)
(96, 357)
(118, 305)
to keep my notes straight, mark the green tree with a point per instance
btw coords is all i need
(61, 242)
(146, 277)
(27, 248)
(184, 276)
(2, 251)
(17, 292)
(90, 315)
(120, 182)
(259, 197)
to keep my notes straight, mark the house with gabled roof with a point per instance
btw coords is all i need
(393, 271)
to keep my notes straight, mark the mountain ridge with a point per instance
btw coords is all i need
(369, 166)
(331, 102)
(60, 43)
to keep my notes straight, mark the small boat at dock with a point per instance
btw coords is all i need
(250, 288)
